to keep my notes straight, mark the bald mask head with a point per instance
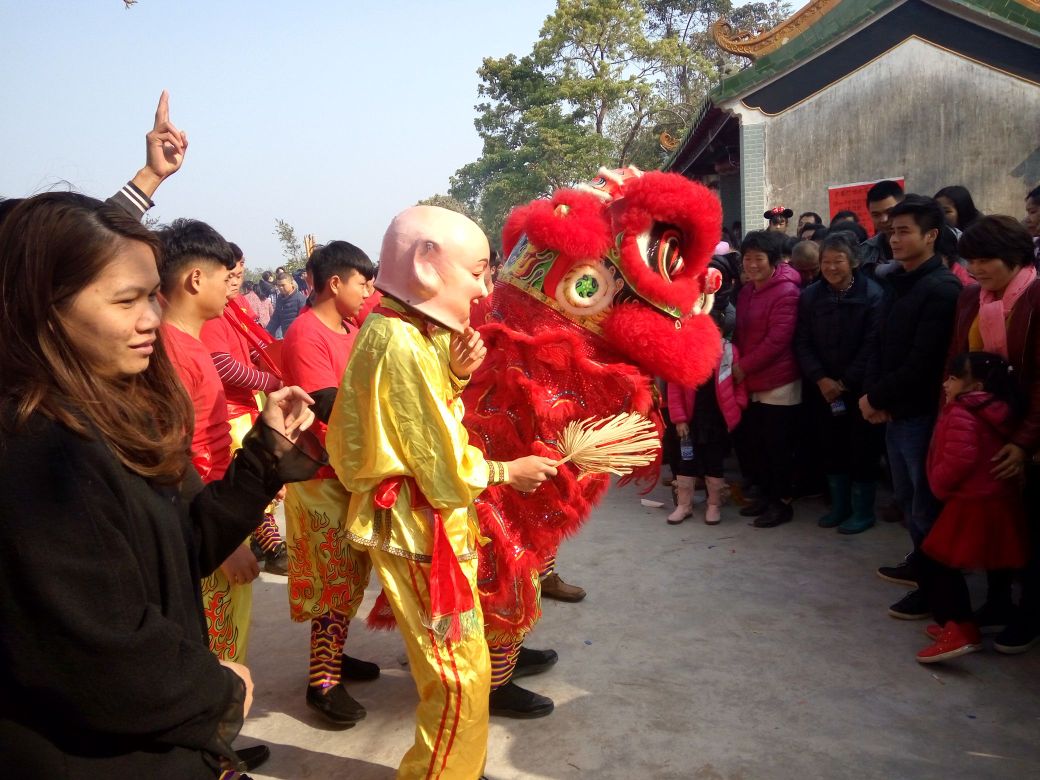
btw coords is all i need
(434, 260)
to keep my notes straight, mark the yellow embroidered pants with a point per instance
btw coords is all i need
(326, 574)
(228, 609)
(452, 678)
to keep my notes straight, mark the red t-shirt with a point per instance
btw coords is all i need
(221, 335)
(314, 358)
(211, 443)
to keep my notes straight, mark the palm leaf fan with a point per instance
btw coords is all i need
(610, 445)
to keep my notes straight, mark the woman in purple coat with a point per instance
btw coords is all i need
(767, 311)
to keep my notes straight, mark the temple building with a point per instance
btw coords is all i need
(936, 92)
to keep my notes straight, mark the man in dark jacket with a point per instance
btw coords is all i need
(915, 336)
(288, 306)
(875, 251)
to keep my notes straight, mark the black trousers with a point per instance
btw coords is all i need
(767, 435)
(708, 460)
(850, 445)
(1031, 574)
(945, 590)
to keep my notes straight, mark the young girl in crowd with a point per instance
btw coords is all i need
(703, 417)
(982, 525)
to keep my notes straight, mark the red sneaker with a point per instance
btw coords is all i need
(955, 639)
(932, 631)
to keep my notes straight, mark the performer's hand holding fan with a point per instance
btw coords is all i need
(610, 445)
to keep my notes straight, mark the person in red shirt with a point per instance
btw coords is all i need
(245, 370)
(196, 266)
(327, 577)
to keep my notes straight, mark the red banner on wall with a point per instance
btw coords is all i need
(853, 197)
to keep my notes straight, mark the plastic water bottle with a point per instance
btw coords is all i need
(686, 447)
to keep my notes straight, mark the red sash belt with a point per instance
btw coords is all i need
(451, 599)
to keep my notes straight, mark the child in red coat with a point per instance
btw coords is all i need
(982, 525)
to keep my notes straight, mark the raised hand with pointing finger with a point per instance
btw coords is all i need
(165, 147)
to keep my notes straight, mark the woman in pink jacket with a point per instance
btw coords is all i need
(767, 311)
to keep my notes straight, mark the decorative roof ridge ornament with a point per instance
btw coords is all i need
(751, 44)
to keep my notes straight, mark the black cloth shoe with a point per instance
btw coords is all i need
(534, 662)
(904, 574)
(253, 756)
(758, 506)
(357, 670)
(277, 561)
(994, 616)
(335, 705)
(1018, 637)
(778, 513)
(512, 701)
(257, 550)
(913, 606)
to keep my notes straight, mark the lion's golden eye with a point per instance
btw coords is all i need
(586, 289)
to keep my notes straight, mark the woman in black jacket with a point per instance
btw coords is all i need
(106, 530)
(839, 317)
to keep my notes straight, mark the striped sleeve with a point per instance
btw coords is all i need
(132, 200)
(233, 373)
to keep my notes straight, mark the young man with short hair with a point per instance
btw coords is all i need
(196, 266)
(245, 370)
(915, 336)
(881, 199)
(327, 576)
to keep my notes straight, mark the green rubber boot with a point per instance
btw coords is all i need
(841, 508)
(862, 509)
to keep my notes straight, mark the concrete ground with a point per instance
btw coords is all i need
(725, 653)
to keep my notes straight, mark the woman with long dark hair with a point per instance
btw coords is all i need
(107, 531)
(958, 207)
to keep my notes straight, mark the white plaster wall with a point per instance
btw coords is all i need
(917, 111)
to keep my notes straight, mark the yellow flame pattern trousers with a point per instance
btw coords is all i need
(228, 610)
(452, 678)
(326, 574)
(228, 607)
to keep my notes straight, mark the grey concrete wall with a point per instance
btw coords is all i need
(752, 174)
(920, 112)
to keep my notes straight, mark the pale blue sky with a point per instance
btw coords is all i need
(331, 115)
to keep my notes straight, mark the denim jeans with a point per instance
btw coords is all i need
(907, 443)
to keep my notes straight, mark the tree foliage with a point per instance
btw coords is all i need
(594, 90)
(292, 249)
(449, 203)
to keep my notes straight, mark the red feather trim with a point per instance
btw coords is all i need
(572, 223)
(671, 198)
(685, 356)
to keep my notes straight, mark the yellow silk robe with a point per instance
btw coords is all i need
(398, 413)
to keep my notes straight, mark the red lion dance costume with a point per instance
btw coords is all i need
(605, 287)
